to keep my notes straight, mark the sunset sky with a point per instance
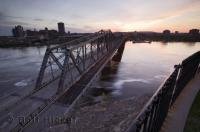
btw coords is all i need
(92, 15)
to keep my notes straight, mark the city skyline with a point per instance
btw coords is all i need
(90, 16)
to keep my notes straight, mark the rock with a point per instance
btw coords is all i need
(108, 116)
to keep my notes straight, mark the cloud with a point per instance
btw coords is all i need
(38, 19)
(87, 27)
(153, 10)
(92, 15)
(78, 30)
(9, 21)
(5, 31)
(76, 16)
(3, 16)
(13, 23)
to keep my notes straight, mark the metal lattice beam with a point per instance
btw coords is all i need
(70, 60)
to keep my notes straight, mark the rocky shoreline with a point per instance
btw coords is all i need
(107, 116)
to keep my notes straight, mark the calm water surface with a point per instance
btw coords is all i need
(19, 68)
(142, 69)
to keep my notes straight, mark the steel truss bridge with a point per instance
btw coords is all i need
(68, 69)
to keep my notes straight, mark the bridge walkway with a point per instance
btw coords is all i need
(177, 115)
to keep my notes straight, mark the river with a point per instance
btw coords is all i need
(142, 69)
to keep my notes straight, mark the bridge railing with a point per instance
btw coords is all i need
(66, 63)
(152, 116)
(187, 71)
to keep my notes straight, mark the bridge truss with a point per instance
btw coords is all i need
(63, 65)
(68, 62)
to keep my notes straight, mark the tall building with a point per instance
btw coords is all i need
(61, 28)
(18, 31)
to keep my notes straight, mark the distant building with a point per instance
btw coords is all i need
(194, 32)
(18, 31)
(44, 34)
(30, 33)
(176, 32)
(68, 32)
(52, 33)
(166, 32)
(61, 28)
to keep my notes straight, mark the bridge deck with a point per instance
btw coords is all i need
(66, 102)
(23, 109)
(76, 89)
(177, 116)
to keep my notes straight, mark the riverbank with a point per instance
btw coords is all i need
(136, 37)
(14, 42)
(107, 116)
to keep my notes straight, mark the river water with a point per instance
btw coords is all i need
(142, 69)
(19, 68)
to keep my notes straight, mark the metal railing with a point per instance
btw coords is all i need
(152, 116)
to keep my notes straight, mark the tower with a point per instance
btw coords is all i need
(61, 28)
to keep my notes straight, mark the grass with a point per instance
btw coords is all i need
(193, 120)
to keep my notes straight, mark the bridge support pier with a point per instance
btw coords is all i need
(118, 56)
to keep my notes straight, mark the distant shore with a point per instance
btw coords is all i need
(39, 44)
(14, 42)
(136, 37)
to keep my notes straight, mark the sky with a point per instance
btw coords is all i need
(93, 15)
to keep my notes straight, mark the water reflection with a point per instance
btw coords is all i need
(144, 67)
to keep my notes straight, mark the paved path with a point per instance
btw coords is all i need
(177, 116)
